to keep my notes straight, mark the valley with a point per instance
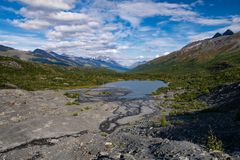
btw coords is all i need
(191, 112)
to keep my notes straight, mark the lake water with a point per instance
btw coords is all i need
(138, 88)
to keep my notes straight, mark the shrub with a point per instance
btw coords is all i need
(75, 114)
(104, 93)
(72, 95)
(72, 103)
(104, 134)
(163, 121)
(213, 143)
(176, 113)
(87, 108)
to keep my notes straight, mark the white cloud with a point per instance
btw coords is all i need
(8, 9)
(204, 20)
(197, 3)
(2, 42)
(162, 54)
(31, 24)
(72, 28)
(50, 4)
(212, 22)
(236, 19)
(20, 41)
(162, 42)
(33, 13)
(69, 16)
(135, 11)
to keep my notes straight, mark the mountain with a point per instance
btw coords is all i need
(228, 33)
(217, 35)
(208, 55)
(134, 65)
(50, 57)
(5, 48)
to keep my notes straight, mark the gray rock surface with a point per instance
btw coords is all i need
(39, 125)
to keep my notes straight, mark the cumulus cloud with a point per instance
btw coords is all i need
(31, 24)
(69, 16)
(21, 41)
(103, 27)
(50, 4)
(135, 11)
(204, 20)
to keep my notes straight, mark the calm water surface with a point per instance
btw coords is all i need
(138, 88)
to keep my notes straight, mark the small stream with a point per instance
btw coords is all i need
(132, 97)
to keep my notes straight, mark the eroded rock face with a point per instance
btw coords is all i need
(224, 97)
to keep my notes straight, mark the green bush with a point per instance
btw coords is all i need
(176, 112)
(213, 143)
(72, 95)
(104, 93)
(75, 114)
(87, 108)
(72, 103)
(104, 134)
(163, 121)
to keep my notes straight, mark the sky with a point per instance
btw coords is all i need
(124, 30)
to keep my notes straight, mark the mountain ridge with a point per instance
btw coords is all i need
(50, 57)
(196, 55)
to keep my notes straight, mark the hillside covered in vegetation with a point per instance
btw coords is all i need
(200, 65)
(15, 73)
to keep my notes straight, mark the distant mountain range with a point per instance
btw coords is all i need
(226, 33)
(217, 53)
(134, 65)
(50, 57)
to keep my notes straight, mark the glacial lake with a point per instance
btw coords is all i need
(137, 88)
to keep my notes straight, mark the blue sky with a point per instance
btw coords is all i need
(125, 30)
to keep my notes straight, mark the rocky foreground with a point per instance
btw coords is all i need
(49, 125)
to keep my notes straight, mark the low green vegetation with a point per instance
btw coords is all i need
(104, 134)
(187, 101)
(193, 75)
(87, 108)
(213, 143)
(195, 79)
(163, 121)
(176, 112)
(72, 95)
(104, 93)
(15, 73)
(72, 103)
(75, 113)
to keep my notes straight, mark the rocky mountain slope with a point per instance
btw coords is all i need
(50, 57)
(214, 53)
